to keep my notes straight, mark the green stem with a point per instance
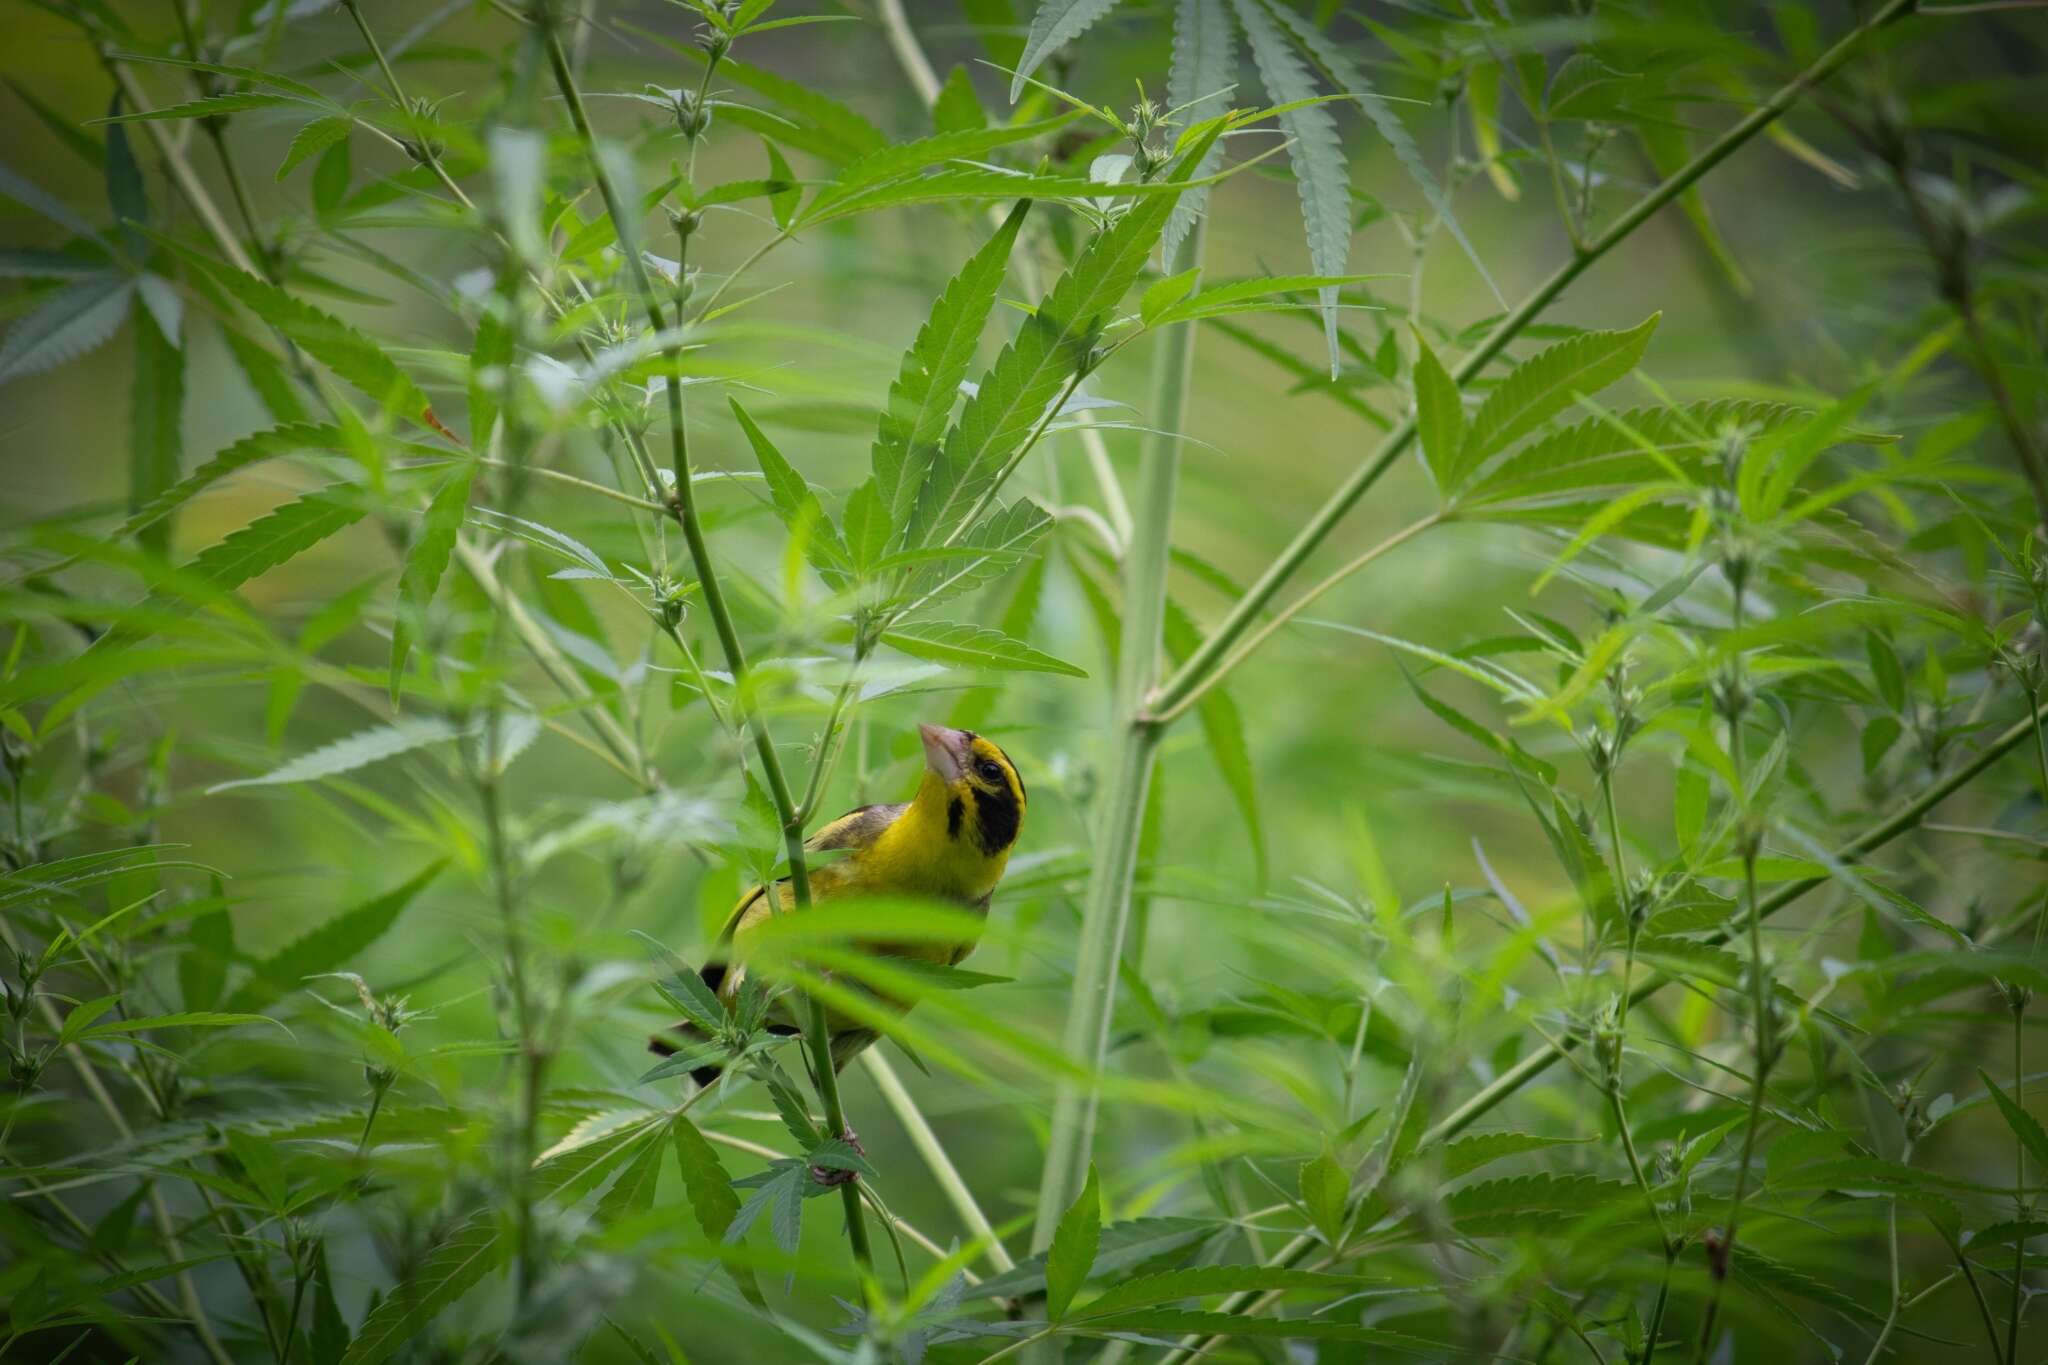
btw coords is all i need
(817, 1037)
(1333, 511)
(935, 1159)
(1898, 1297)
(1106, 909)
(2023, 1205)
(1751, 835)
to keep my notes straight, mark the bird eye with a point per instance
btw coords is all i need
(988, 769)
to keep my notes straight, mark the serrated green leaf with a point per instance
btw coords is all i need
(449, 1271)
(1165, 293)
(1549, 382)
(634, 1189)
(310, 141)
(1623, 448)
(1072, 1253)
(1325, 1188)
(186, 1019)
(1052, 348)
(1439, 417)
(425, 563)
(1170, 1323)
(342, 348)
(986, 550)
(1468, 1154)
(1321, 175)
(868, 528)
(1198, 87)
(2024, 1126)
(156, 409)
(330, 946)
(892, 164)
(958, 108)
(359, 750)
(262, 445)
(1204, 1281)
(213, 106)
(913, 423)
(1121, 1246)
(1249, 296)
(74, 320)
(797, 505)
(1057, 23)
(1223, 730)
(1347, 76)
(968, 646)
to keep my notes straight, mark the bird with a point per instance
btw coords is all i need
(950, 842)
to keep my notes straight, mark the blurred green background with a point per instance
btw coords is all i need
(1831, 285)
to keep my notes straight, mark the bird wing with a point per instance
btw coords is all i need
(857, 829)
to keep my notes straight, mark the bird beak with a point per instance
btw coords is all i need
(945, 751)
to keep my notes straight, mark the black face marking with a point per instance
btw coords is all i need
(997, 815)
(955, 812)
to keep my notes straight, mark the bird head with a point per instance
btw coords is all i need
(984, 794)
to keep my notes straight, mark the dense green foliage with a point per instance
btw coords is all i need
(1505, 540)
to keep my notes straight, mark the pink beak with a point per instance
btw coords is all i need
(945, 751)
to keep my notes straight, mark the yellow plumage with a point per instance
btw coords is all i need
(951, 842)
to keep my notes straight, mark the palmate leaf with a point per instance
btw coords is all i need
(329, 946)
(969, 646)
(348, 352)
(1054, 345)
(1350, 78)
(346, 755)
(901, 159)
(1320, 172)
(70, 322)
(987, 549)
(928, 381)
(1197, 88)
(1546, 384)
(1610, 450)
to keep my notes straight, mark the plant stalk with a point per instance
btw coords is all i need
(1106, 909)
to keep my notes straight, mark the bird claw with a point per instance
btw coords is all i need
(830, 1176)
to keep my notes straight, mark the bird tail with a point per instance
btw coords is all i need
(682, 1033)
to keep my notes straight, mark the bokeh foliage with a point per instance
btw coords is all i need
(1505, 540)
